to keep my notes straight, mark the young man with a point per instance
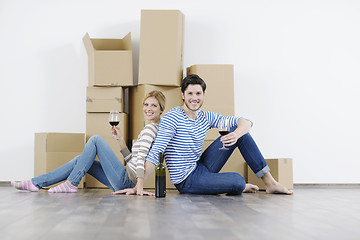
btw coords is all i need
(181, 136)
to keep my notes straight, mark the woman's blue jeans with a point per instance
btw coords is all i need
(109, 170)
(206, 179)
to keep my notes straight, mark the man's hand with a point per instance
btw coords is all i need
(229, 139)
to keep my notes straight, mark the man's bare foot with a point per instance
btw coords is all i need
(273, 186)
(251, 188)
(279, 189)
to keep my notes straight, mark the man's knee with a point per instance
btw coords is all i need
(238, 184)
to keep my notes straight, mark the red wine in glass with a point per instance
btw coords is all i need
(222, 133)
(224, 128)
(114, 123)
(114, 119)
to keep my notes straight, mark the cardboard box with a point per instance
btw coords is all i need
(161, 47)
(137, 94)
(98, 124)
(53, 150)
(280, 168)
(219, 79)
(104, 99)
(110, 61)
(235, 163)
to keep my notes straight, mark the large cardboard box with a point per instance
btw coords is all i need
(98, 124)
(137, 94)
(235, 163)
(104, 99)
(219, 93)
(161, 47)
(110, 61)
(280, 168)
(53, 150)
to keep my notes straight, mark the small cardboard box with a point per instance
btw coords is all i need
(235, 163)
(137, 94)
(280, 168)
(110, 61)
(98, 124)
(53, 150)
(104, 99)
(219, 93)
(161, 47)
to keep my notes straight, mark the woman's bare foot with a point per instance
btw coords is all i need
(279, 189)
(251, 188)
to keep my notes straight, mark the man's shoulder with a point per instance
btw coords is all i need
(176, 111)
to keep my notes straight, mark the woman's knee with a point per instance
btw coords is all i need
(95, 138)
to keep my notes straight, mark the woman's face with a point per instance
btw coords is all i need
(152, 110)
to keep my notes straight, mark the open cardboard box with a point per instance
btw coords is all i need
(110, 61)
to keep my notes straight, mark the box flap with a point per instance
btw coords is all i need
(88, 45)
(127, 42)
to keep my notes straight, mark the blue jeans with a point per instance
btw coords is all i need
(109, 170)
(206, 179)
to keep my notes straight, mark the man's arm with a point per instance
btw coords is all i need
(167, 128)
(243, 127)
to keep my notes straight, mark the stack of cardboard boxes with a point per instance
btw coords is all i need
(160, 67)
(110, 73)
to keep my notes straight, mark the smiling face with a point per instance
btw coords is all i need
(151, 110)
(193, 97)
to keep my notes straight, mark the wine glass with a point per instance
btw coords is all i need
(224, 129)
(114, 119)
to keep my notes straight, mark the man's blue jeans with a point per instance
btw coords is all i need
(109, 170)
(206, 179)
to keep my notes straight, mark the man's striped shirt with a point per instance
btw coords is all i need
(181, 139)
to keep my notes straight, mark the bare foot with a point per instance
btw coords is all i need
(251, 188)
(278, 188)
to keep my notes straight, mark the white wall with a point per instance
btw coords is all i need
(296, 73)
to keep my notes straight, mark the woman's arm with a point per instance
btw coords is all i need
(139, 188)
(146, 138)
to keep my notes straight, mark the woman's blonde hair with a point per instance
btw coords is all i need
(159, 96)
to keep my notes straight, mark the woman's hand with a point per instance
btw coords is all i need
(116, 132)
(118, 136)
(133, 191)
(127, 191)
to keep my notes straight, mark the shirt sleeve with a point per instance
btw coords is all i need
(214, 119)
(146, 139)
(167, 129)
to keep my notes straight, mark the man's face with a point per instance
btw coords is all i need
(193, 97)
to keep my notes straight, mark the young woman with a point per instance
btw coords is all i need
(108, 170)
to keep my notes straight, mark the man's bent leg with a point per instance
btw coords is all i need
(213, 158)
(252, 155)
(201, 181)
(256, 162)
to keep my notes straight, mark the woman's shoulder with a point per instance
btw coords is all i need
(151, 127)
